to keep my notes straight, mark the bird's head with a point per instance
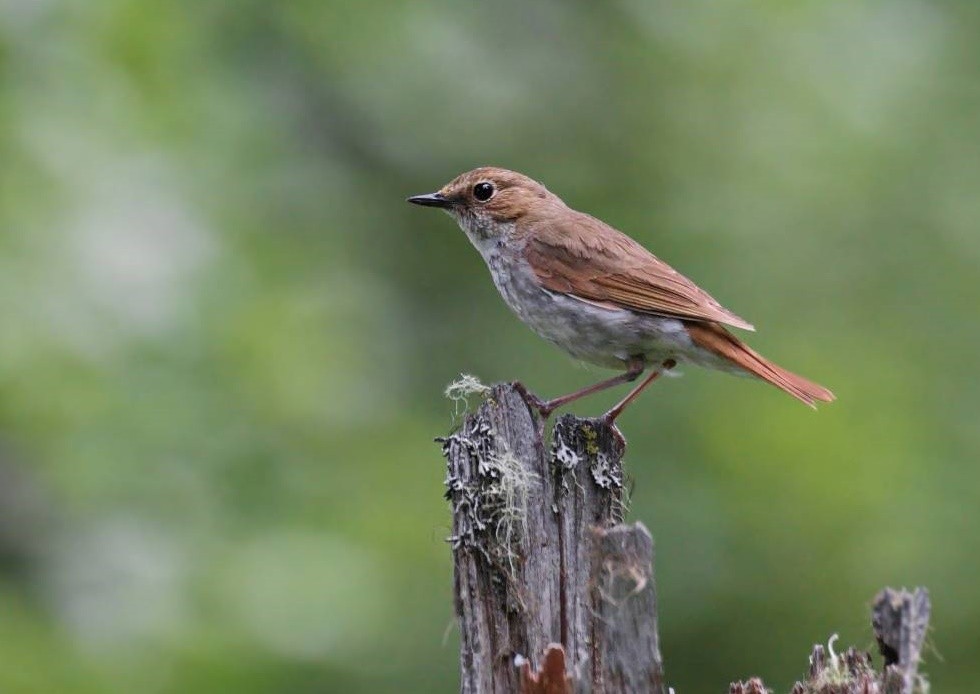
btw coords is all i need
(490, 201)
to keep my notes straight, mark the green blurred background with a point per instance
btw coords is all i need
(225, 335)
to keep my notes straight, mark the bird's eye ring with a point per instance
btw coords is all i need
(483, 191)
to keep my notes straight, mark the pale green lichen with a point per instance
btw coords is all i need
(836, 674)
(591, 440)
(490, 490)
(460, 390)
(507, 500)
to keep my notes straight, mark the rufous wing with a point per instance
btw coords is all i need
(585, 258)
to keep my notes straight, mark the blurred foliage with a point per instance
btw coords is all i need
(225, 335)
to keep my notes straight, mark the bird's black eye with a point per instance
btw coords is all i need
(483, 191)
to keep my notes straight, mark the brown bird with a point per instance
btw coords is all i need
(595, 292)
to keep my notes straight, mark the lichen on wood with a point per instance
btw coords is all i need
(899, 619)
(554, 594)
(540, 558)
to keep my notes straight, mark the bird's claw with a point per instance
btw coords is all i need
(610, 423)
(542, 407)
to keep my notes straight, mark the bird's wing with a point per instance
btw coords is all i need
(588, 259)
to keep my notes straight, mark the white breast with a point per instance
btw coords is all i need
(603, 336)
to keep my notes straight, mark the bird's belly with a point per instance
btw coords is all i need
(602, 336)
(608, 337)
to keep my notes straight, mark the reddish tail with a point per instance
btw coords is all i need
(713, 337)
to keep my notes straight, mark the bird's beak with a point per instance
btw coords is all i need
(430, 200)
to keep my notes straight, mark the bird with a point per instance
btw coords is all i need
(596, 293)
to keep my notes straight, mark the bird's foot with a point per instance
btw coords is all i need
(609, 421)
(542, 407)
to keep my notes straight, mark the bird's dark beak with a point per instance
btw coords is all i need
(430, 200)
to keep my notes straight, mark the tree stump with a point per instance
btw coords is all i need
(555, 594)
(552, 591)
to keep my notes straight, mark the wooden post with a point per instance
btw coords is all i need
(555, 594)
(543, 564)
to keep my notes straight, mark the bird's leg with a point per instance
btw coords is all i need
(634, 367)
(618, 408)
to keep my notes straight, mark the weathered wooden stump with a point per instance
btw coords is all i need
(542, 557)
(555, 594)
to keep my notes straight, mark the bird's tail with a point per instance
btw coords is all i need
(714, 338)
